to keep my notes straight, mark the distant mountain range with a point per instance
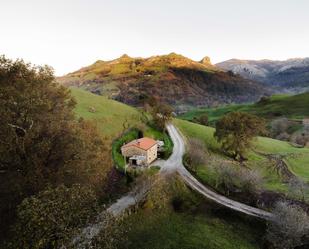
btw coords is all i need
(291, 75)
(172, 78)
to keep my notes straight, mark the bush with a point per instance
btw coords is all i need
(290, 227)
(231, 178)
(196, 154)
(300, 137)
(203, 119)
(49, 219)
(279, 128)
(116, 147)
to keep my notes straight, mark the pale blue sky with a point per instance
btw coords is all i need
(69, 34)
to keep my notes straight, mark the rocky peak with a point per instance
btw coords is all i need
(206, 60)
(125, 57)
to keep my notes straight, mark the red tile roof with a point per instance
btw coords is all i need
(144, 143)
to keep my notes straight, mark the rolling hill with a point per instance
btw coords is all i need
(109, 115)
(292, 74)
(297, 159)
(291, 106)
(173, 79)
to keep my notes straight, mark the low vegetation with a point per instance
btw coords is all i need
(51, 218)
(258, 160)
(290, 229)
(175, 217)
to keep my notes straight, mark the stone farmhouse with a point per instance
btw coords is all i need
(140, 152)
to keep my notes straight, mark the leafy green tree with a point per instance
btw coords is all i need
(236, 130)
(203, 119)
(50, 219)
(161, 114)
(41, 142)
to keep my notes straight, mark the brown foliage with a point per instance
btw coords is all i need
(161, 114)
(290, 227)
(41, 142)
(203, 119)
(196, 154)
(236, 130)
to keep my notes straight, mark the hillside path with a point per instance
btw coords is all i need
(175, 163)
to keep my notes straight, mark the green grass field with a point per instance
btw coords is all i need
(109, 114)
(198, 224)
(294, 107)
(297, 158)
(190, 231)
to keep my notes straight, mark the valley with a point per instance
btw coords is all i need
(196, 183)
(154, 124)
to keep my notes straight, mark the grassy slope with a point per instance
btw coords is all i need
(110, 115)
(191, 231)
(298, 159)
(294, 107)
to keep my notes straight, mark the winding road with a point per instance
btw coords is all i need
(173, 164)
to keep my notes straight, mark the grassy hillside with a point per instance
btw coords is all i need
(202, 228)
(296, 158)
(113, 119)
(188, 230)
(294, 107)
(110, 115)
(186, 220)
(172, 78)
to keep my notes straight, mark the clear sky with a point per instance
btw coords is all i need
(69, 34)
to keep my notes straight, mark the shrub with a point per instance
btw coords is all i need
(196, 154)
(49, 219)
(203, 119)
(290, 227)
(279, 128)
(231, 177)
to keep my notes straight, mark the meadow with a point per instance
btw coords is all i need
(112, 117)
(297, 159)
(118, 122)
(294, 107)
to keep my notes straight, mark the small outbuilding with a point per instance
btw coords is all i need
(140, 152)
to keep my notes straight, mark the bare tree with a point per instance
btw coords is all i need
(289, 228)
(298, 188)
(279, 126)
(197, 153)
(231, 177)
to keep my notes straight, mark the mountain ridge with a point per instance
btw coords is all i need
(172, 78)
(291, 74)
